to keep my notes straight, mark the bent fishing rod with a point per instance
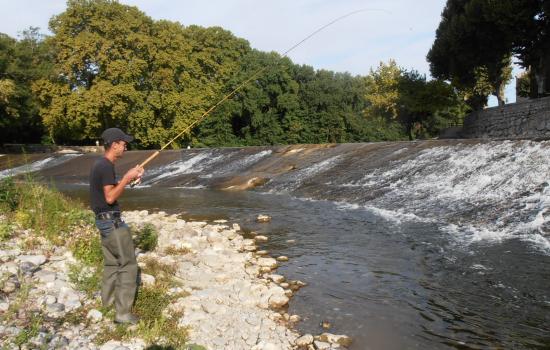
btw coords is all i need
(240, 86)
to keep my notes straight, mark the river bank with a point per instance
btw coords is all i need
(221, 293)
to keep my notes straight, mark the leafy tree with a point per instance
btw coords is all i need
(21, 63)
(471, 51)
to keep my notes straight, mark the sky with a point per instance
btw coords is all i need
(403, 30)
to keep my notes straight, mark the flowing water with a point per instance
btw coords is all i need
(427, 245)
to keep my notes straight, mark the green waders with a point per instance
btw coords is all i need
(120, 270)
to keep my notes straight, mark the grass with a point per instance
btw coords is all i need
(48, 214)
(146, 237)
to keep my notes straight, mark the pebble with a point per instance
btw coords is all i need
(94, 315)
(263, 218)
(282, 258)
(261, 238)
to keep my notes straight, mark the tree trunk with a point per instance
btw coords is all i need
(499, 93)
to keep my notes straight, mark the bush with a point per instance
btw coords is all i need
(9, 195)
(147, 238)
(85, 278)
(87, 248)
(5, 231)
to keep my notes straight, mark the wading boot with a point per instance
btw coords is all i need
(127, 319)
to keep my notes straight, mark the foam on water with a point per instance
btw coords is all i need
(491, 191)
(195, 164)
(297, 178)
(38, 165)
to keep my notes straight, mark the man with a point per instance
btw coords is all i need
(119, 283)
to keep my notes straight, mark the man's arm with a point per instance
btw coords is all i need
(112, 192)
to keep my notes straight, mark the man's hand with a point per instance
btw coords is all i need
(134, 173)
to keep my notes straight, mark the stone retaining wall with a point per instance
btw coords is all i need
(522, 120)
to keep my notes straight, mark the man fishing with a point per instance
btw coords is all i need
(119, 283)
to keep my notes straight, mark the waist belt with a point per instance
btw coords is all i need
(108, 215)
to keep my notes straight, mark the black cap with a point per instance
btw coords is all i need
(115, 134)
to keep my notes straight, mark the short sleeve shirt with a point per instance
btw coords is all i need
(102, 174)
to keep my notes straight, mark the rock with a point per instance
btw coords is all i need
(250, 248)
(295, 318)
(304, 340)
(147, 280)
(28, 268)
(261, 238)
(45, 276)
(9, 267)
(9, 287)
(278, 300)
(262, 252)
(342, 340)
(282, 258)
(55, 308)
(220, 221)
(276, 278)
(4, 307)
(284, 285)
(291, 241)
(267, 262)
(34, 259)
(263, 218)
(94, 315)
(49, 299)
(236, 227)
(319, 345)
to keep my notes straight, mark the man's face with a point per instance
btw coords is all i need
(120, 147)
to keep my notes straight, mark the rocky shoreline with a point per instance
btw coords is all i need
(226, 296)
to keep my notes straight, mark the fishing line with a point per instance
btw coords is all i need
(252, 77)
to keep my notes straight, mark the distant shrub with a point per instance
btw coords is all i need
(9, 195)
(147, 238)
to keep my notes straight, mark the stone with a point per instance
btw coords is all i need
(277, 301)
(34, 259)
(147, 280)
(319, 345)
(342, 340)
(276, 278)
(284, 285)
(49, 299)
(267, 262)
(236, 227)
(28, 268)
(55, 308)
(295, 318)
(304, 340)
(262, 252)
(261, 238)
(9, 287)
(4, 307)
(45, 276)
(94, 315)
(282, 258)
(262, 218)
(9, 267)
(291, 241)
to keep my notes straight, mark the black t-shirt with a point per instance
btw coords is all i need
(102, 174)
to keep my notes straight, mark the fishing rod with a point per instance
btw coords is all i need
(241, 85)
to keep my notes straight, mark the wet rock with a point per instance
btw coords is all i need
(291, 241)
(263, 218)
(284, 285)
(261, 238)
(276, 278)
(282, 258)
(295, 318)
(304, 340)
(262, 252)
(342, 340)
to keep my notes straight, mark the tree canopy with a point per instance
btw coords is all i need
(110, 65)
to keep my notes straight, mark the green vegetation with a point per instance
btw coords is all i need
(162, 75)
(48, 215)
(146, 238)
(476, 40)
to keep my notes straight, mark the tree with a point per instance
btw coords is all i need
(471, 51)
(21, 63)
